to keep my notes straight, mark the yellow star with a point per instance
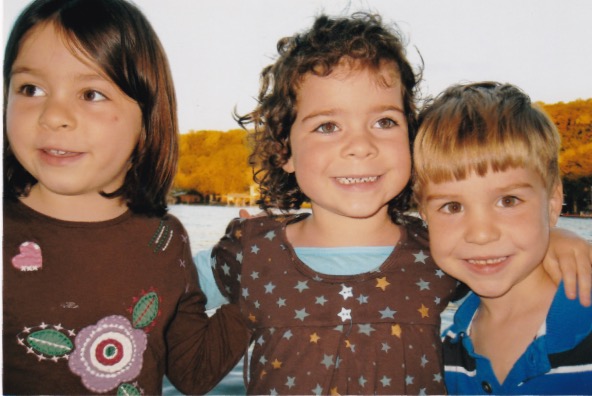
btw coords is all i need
(276, 364)
(382, 283)
(314, 337)
(334, 391)
(396, 330)
(238, 234)
(424, 311)
(347, 344)
(263, 374)
(252, 318)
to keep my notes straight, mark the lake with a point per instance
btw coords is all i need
(206, 225)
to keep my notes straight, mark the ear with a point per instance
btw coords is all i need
(288, 167)
(555, 204)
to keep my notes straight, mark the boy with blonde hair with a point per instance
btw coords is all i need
(488, 185)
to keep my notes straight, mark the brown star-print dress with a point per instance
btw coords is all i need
(372, 333)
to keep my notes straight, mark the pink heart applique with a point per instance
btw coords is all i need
(29, 258)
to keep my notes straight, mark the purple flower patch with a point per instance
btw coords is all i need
(108, 353)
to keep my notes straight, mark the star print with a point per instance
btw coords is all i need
(43, 325)
(257, 304)
(301, 286)
(252, 318)
(314, 337)
(385, 347)
(238, 234)
(345, 314)
(226, 269)
(270, 235)
(281, 302)
(362, 381)
(437, 377)
(263, 360)
(437, 300)
(440, 273)
(245, 292)
(291, 382)
(239, 257)
(276, 364)
(408, 380)
(386, 381)
(269, 288)
(327, 361)
(365, 329)
(334, 392)
(424, 361)
(346, 292)
(317, 390)
(339, 328)
(255, 249)
(255, 275)
(317, 278)
(263, 374)
(424, 311)
(300, 314)
(349, 345)
(321, 300)
(58, 327)
(423, 285)
(422, 392)
(387, 313)
(420, 257)
(382, 283)
(288, 334)
(396, 330)
(260, 340)
(273, 392)
(362, 299)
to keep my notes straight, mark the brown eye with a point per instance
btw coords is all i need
(327, 127)
(93, 96)
(31, 90)
(452, 207)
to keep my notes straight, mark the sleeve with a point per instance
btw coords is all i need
(203, 262)
(227, 258)
(201, 350)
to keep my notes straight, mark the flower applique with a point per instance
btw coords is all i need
(108, 354)
(29, 258)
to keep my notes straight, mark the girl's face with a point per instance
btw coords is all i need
(350, 144)
(69, 126)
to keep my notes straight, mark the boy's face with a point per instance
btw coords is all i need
(491, 232)
(350, 145)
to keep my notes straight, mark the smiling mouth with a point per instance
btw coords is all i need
(489, 261)
(356, 180)
(60, 153)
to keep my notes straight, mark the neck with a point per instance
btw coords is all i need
(83, 208)
(330, 230)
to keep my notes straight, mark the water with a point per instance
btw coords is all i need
(206, 225)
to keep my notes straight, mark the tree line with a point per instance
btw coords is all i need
(216, 162)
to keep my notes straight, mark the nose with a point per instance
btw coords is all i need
(360, 144)
(481, 228)
(57, 114)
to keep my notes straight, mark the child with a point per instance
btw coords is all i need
(487, 182)
(344, 300)
(100, 294)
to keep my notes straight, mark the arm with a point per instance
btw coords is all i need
(569, 258)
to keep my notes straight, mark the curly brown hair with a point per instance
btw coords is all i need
(361, 38)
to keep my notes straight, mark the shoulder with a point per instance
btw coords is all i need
(568, 322)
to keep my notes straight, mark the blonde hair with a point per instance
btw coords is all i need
(480, 127)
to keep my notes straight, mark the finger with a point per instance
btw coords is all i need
(585, 279)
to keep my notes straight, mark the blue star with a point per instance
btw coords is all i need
(273, 392)
(387, 313)
(362, 381)
(255, 275)
(288, 334)
(301, 314)
(423, 285)
(365, 329)
(440, 273)
(226, 269)
(269, 288)
(321, 300)
(281, 302)
(270, 235)
(239, 257)
(437, 378)
(263, 360)
(385, 347)
(317, 390)
(291, 382)
(255, 249)
(260, 340)
(327, 361)
(245, 292)
(362, 299)
(257, 304)
(408, 380)
(424, 361)
(302, 285)
(420, 257)
(386, 381)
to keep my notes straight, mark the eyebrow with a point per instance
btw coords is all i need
(511, 187)
(80, 77)
(331, 112)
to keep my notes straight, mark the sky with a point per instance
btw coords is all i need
(217, 48)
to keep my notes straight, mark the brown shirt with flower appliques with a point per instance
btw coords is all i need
(371, 333)
(108, 307)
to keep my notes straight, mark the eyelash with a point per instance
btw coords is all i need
(26, 89)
